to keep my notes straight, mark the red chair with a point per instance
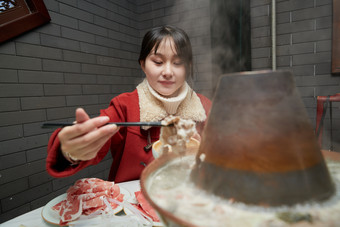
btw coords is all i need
(321, 108)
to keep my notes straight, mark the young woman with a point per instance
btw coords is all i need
(166, 59)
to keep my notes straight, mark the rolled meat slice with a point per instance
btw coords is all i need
(85, 197)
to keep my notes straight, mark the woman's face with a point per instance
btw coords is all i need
(165, 70)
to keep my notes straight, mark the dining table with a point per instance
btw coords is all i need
(34, 218)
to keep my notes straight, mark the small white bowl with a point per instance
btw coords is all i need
(156, 146)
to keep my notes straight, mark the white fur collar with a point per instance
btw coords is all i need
(152, 109)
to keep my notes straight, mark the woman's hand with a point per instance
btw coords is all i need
(83, 140)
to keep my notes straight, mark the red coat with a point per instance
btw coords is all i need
(127, 145)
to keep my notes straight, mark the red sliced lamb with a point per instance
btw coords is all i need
(85, 197)
(145, 207)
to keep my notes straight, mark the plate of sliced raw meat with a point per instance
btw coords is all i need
(87, 196)
(144, 207)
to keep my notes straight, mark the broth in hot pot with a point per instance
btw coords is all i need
(170, 188)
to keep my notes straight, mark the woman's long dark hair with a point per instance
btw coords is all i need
(154, 37)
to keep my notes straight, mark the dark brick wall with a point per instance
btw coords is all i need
(304, 41)
(84, 57)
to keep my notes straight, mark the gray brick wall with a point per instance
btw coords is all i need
(84, 57)
(304, 39)
(48, 72)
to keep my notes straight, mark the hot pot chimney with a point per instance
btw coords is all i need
(258, 146)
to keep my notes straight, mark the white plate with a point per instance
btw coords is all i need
(158, 224)
(51, 216)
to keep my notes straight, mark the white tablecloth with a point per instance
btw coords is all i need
(34, 219)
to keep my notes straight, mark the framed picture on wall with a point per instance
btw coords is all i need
(19, 16)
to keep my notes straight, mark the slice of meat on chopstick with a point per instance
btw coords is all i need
(175, 136)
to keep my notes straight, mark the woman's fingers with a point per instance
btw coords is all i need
(84, 139)
(81, 115)
(91, 151)
(89, 144)
(74, 131)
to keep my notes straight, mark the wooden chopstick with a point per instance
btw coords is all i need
(126, 124)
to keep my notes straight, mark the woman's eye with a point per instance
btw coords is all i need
(178, 62)
(157, 62)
